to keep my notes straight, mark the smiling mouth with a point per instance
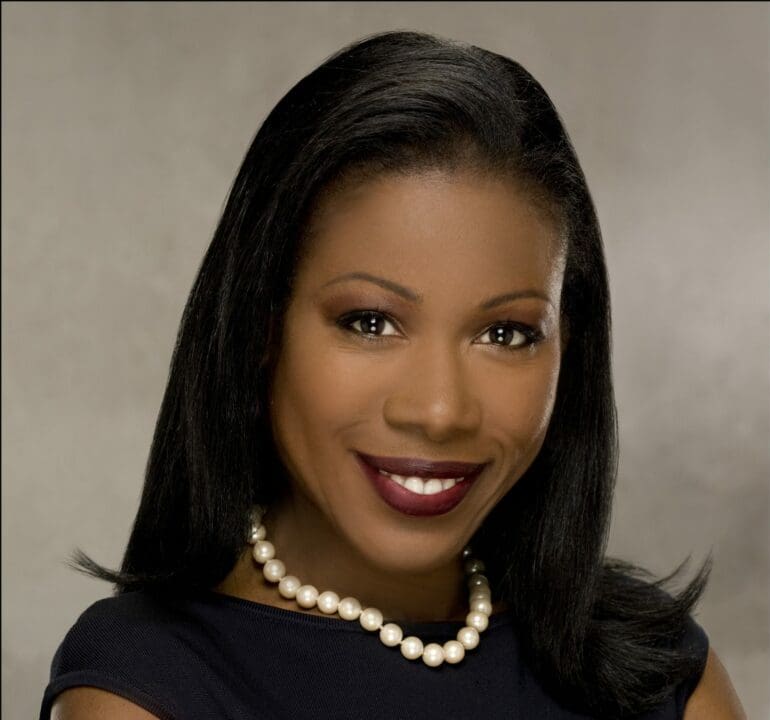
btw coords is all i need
(415, 486)
(423, 486)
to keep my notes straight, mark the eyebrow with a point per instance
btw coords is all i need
(382, 282)
(511, 296)
(416, 297)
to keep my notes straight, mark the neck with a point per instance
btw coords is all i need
(314, 551)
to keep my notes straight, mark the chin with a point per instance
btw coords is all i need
(399, 551)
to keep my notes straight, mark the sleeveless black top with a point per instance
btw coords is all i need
(216, 656)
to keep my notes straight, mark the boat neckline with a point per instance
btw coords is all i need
(336, 623)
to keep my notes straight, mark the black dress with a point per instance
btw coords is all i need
(215, 656)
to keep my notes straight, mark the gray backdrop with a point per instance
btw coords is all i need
(123, 127)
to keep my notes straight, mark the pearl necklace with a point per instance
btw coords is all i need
(371, 619)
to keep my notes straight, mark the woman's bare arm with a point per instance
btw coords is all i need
(714, 697)
(89, 703)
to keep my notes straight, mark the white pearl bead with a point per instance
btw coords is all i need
(477, 579)
(482, 606)
(257, 532)
(472, 565)
(477, 620)
(480, 592)
(433, 655)
(263, 551)
(411, 647)
(274, 570)
(453, 651)
(327, 602)
(306, 596)
(349, 608)
(479, 598)
(289, 585)
(391, 634)
(371, 619)
(468, 637)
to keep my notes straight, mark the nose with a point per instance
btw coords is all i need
(434, 397)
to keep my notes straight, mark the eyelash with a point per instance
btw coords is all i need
(531, 335)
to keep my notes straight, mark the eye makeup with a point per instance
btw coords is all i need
(388, 315)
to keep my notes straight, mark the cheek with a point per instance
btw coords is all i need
(519, 405)
(317, 391)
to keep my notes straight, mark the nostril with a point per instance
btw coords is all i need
(437, 419)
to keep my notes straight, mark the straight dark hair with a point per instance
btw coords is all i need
(601, 635)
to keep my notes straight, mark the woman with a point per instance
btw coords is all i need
(390, 415)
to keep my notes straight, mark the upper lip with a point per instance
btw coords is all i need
(419, 467)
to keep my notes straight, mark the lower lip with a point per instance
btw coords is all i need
(409, 503)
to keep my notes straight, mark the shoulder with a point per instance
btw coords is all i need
(714, 697)
(116, 630)
(121, 649)
(129, 607)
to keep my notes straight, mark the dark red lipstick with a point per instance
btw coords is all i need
(409, 502)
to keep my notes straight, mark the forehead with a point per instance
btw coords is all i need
(453, 226)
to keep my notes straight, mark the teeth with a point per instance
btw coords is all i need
(415, 485)
(432, 487)
(423, 486)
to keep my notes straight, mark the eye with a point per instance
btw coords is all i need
(510, 336)
(369, 323)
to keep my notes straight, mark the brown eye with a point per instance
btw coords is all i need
(508, 335)
(369, 323)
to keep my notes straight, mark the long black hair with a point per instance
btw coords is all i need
(598, 634)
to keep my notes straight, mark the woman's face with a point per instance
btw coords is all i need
(423, 328)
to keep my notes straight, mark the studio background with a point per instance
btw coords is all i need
(123, 126)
